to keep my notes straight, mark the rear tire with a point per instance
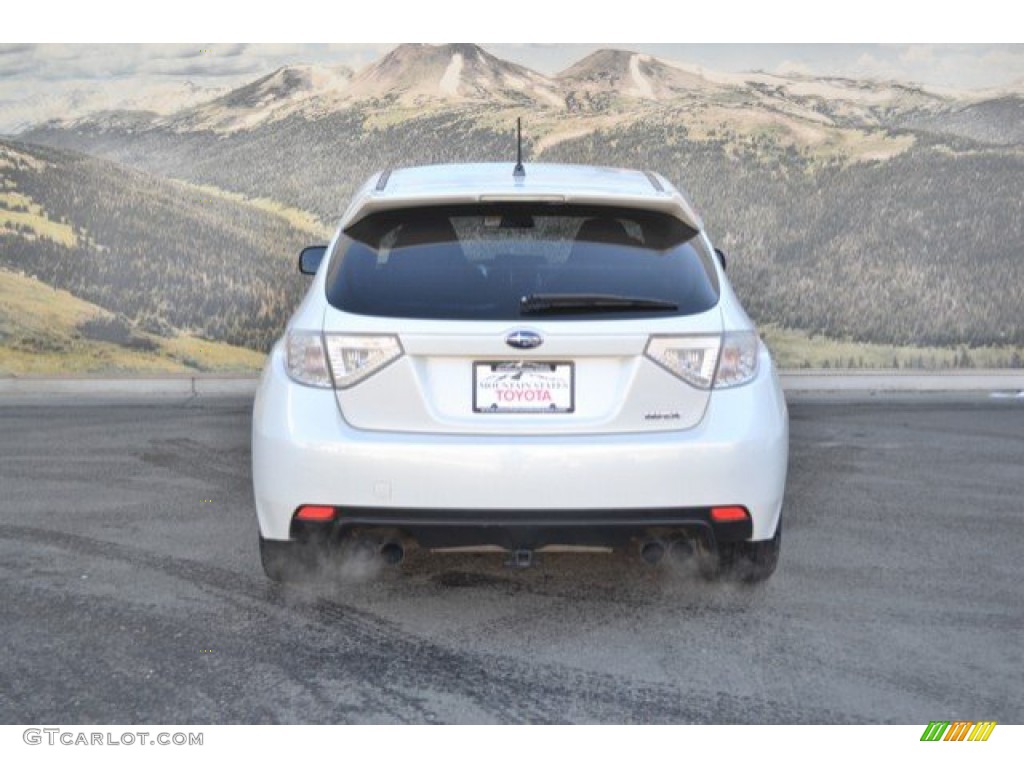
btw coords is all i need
(288, 561)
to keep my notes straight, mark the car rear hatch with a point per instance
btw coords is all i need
(518, 320)
(464, 377)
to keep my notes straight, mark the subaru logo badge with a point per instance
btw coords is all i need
(524, 340)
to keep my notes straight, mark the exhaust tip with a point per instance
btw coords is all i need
(652, 552)
(681, 550)
(392, 553)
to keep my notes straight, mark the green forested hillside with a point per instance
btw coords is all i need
(161, 254)
(923, 248)
(314, 165)
(45, 330)
(922, 245)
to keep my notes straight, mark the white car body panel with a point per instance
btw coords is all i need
(491, 182)
(429, 388)
(305, 453)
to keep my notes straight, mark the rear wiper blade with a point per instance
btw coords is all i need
(537, 303)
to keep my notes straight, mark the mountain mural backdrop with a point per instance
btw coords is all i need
(867, 223)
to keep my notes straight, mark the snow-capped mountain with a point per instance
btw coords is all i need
(609, 86)
(632, 75)
(455, 72)
(273, 97)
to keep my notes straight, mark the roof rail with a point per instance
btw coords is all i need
(654, 181)
(383, 180)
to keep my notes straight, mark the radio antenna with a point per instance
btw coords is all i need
(519, 172)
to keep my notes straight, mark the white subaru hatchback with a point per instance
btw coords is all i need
(521, 360)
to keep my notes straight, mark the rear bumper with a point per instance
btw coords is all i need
(514, 529)
(571, 486)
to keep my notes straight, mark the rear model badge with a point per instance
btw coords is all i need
(524, 340)
(662, 416)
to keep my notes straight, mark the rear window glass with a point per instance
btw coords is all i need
(505, 262)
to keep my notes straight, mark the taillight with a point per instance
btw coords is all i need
(707, 361)
(692, 358)
(314, 513)
(738, 361)
(354, 358)
(729, 514)
(334, 360)
(305, 358)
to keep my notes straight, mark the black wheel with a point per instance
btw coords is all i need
(288, 561)
(747, 561)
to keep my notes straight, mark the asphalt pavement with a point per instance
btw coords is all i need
(132, 590)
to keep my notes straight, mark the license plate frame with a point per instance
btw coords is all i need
(531, 387)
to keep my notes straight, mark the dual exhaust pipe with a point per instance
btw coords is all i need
(391, 552)
(654, 551)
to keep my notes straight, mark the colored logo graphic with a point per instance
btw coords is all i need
(959, 730)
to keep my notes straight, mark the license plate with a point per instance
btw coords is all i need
(523, 387)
